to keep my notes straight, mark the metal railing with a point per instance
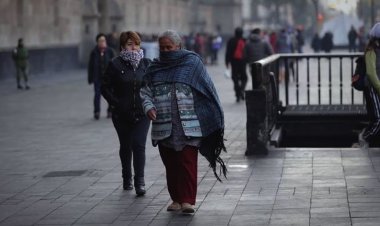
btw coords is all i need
(328, 83)
(304, 79)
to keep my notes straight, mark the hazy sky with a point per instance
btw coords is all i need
(346, 6)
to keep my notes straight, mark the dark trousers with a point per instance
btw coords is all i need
(214, 57)
(22, 73)
(97, 98)
(132, 138)
(239, 77)
(372, 132)
(181, 173)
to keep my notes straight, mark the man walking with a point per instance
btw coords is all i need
(99, 58)
(256, 49)
(235, 58)
(20, 57)
(352, 36)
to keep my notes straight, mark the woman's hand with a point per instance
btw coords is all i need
(152, 114)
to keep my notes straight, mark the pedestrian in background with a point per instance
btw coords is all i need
(372, 90)
(327, 43)
(352, 36)
(121, 86)
(21, 58)
(216, 46)
(235, 58)
(256, 49)
(316, 43)
(284, 45)
(99, 59)
(300, 39)
(273, 41)
(181, 100)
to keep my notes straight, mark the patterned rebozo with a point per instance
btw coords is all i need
(185, 67)
(161, 99)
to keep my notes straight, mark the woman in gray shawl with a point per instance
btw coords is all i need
(181, 100)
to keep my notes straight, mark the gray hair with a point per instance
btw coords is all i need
(375, 31)
(172, 35)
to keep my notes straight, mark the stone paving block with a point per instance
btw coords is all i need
(329, 183)
(291, 213)
(330, 221)
(327, 161)
(209, 220)
(291, 203)
(366, 182)
(249, 220)
(289, 221)
(21, 220)
(320, 203)
(57, 220)
(354, 152)
(17, 185)
(326, 172)
(302, 182)
(365, 221)
(7, 211)
(364, 214)
(330, 212)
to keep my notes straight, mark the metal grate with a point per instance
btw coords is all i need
(319, 110)
(69, 173)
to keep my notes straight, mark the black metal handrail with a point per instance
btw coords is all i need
(264, 67)
(328, 81)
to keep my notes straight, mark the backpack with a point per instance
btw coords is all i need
(358, 78)
(238, 54)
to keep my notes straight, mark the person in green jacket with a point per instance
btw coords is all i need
(20, 57)
(371, 134)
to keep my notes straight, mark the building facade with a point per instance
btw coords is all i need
(60, 33)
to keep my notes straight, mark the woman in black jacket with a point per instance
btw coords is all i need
(121, 88)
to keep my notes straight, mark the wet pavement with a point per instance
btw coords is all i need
(60, 167)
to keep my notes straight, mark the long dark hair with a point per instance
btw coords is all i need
(373, 43)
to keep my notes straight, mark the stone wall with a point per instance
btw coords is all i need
(41, 23)
(51, 25)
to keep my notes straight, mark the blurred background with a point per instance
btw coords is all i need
(61, 33)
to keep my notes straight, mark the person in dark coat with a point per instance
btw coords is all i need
(235, 58)
(99, 58)
(300, 40)
(121, 85)
(20, 57)
(327, 42)
(256, 49)
(316, 43)
(352, 36)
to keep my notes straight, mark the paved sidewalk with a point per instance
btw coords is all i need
(60, 167)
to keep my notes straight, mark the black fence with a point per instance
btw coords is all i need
(292, 82)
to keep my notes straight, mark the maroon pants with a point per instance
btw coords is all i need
(181, 173)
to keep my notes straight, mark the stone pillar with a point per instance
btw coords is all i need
(89, 30)
(256, 115)
(257, 105)
(103, 9)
